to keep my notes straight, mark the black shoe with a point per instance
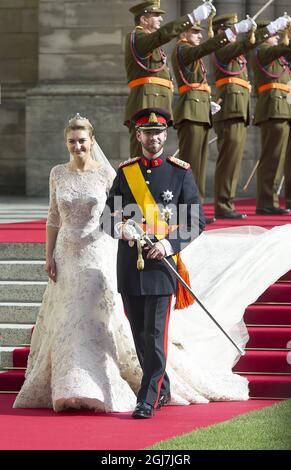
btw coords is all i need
(210, 220)
(273, 211)
(232, 215)
(143, 410)
(164, 400)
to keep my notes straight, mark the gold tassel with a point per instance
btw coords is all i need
(252, 38)
(140, 260)
(286, 39)
(210, 29)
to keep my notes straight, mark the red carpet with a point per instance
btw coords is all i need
(34, 231)
(25, 429)
(23, 232)
(267, 365)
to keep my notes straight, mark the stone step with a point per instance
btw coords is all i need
(22, 251)
(13, 357)
(18, 312)
(15, 334)
(6, 356)
(22, 291)
(31, 270)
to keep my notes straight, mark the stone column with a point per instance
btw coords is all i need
(253, 6)
(18, 73)
(280, 7)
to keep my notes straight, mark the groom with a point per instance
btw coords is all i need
(160, 194)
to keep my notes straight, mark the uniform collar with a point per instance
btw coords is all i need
(151, 163)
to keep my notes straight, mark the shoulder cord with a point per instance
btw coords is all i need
(183, 66)
(138, 58)
(282, 62)
(222, 67)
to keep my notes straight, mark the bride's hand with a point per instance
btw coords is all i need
(51, 269)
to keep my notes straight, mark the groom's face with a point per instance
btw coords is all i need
(152, 141)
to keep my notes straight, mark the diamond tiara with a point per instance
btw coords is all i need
(79, 117)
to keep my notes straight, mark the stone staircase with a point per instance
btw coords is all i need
(267, 363)
(22, 284)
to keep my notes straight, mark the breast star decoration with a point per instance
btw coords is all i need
(167, 195)
(166, 213)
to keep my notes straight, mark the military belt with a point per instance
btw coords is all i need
(235, 81)
(153, 81)
(195, 87)
(278, 86)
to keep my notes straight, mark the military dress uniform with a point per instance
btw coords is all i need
(147, 293)
(233, 94)
(273, 116)
(148, 75)
(192, 112)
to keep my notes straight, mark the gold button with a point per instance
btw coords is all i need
(149, 171)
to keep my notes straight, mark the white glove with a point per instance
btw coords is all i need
(244, 26)
(201, 13)
(125, 230)
(129, 232)
(215, 107)
(279, 24)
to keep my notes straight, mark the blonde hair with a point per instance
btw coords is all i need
(79, 123)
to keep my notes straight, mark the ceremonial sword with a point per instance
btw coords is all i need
(143, 236)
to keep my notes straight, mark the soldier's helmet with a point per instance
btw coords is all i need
(224, 21)
(149, 119)
(196, 26)
(149, 6)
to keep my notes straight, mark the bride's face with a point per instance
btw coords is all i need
(79, 144)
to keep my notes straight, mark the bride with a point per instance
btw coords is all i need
(82, 353)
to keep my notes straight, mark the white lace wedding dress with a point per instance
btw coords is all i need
(82, 353)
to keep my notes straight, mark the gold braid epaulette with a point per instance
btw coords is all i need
(130, 161)
(178, 162)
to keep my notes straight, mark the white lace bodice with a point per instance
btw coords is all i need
(77, 198)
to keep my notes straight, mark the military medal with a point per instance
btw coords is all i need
(167, 195)
(166, 213)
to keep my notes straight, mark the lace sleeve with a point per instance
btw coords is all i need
(109, 180)
(53, 219)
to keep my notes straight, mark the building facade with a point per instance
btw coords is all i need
(59, 57)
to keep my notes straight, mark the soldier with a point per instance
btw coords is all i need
(148, 75)
(152, 186)
(192, 113)
(233, 93)
(273, 116)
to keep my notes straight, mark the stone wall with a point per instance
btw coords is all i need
(18, 72)
(59, 57)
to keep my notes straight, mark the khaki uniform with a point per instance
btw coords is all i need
(144, 48)
(231, 121)
(273, 115)
(192, 113)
